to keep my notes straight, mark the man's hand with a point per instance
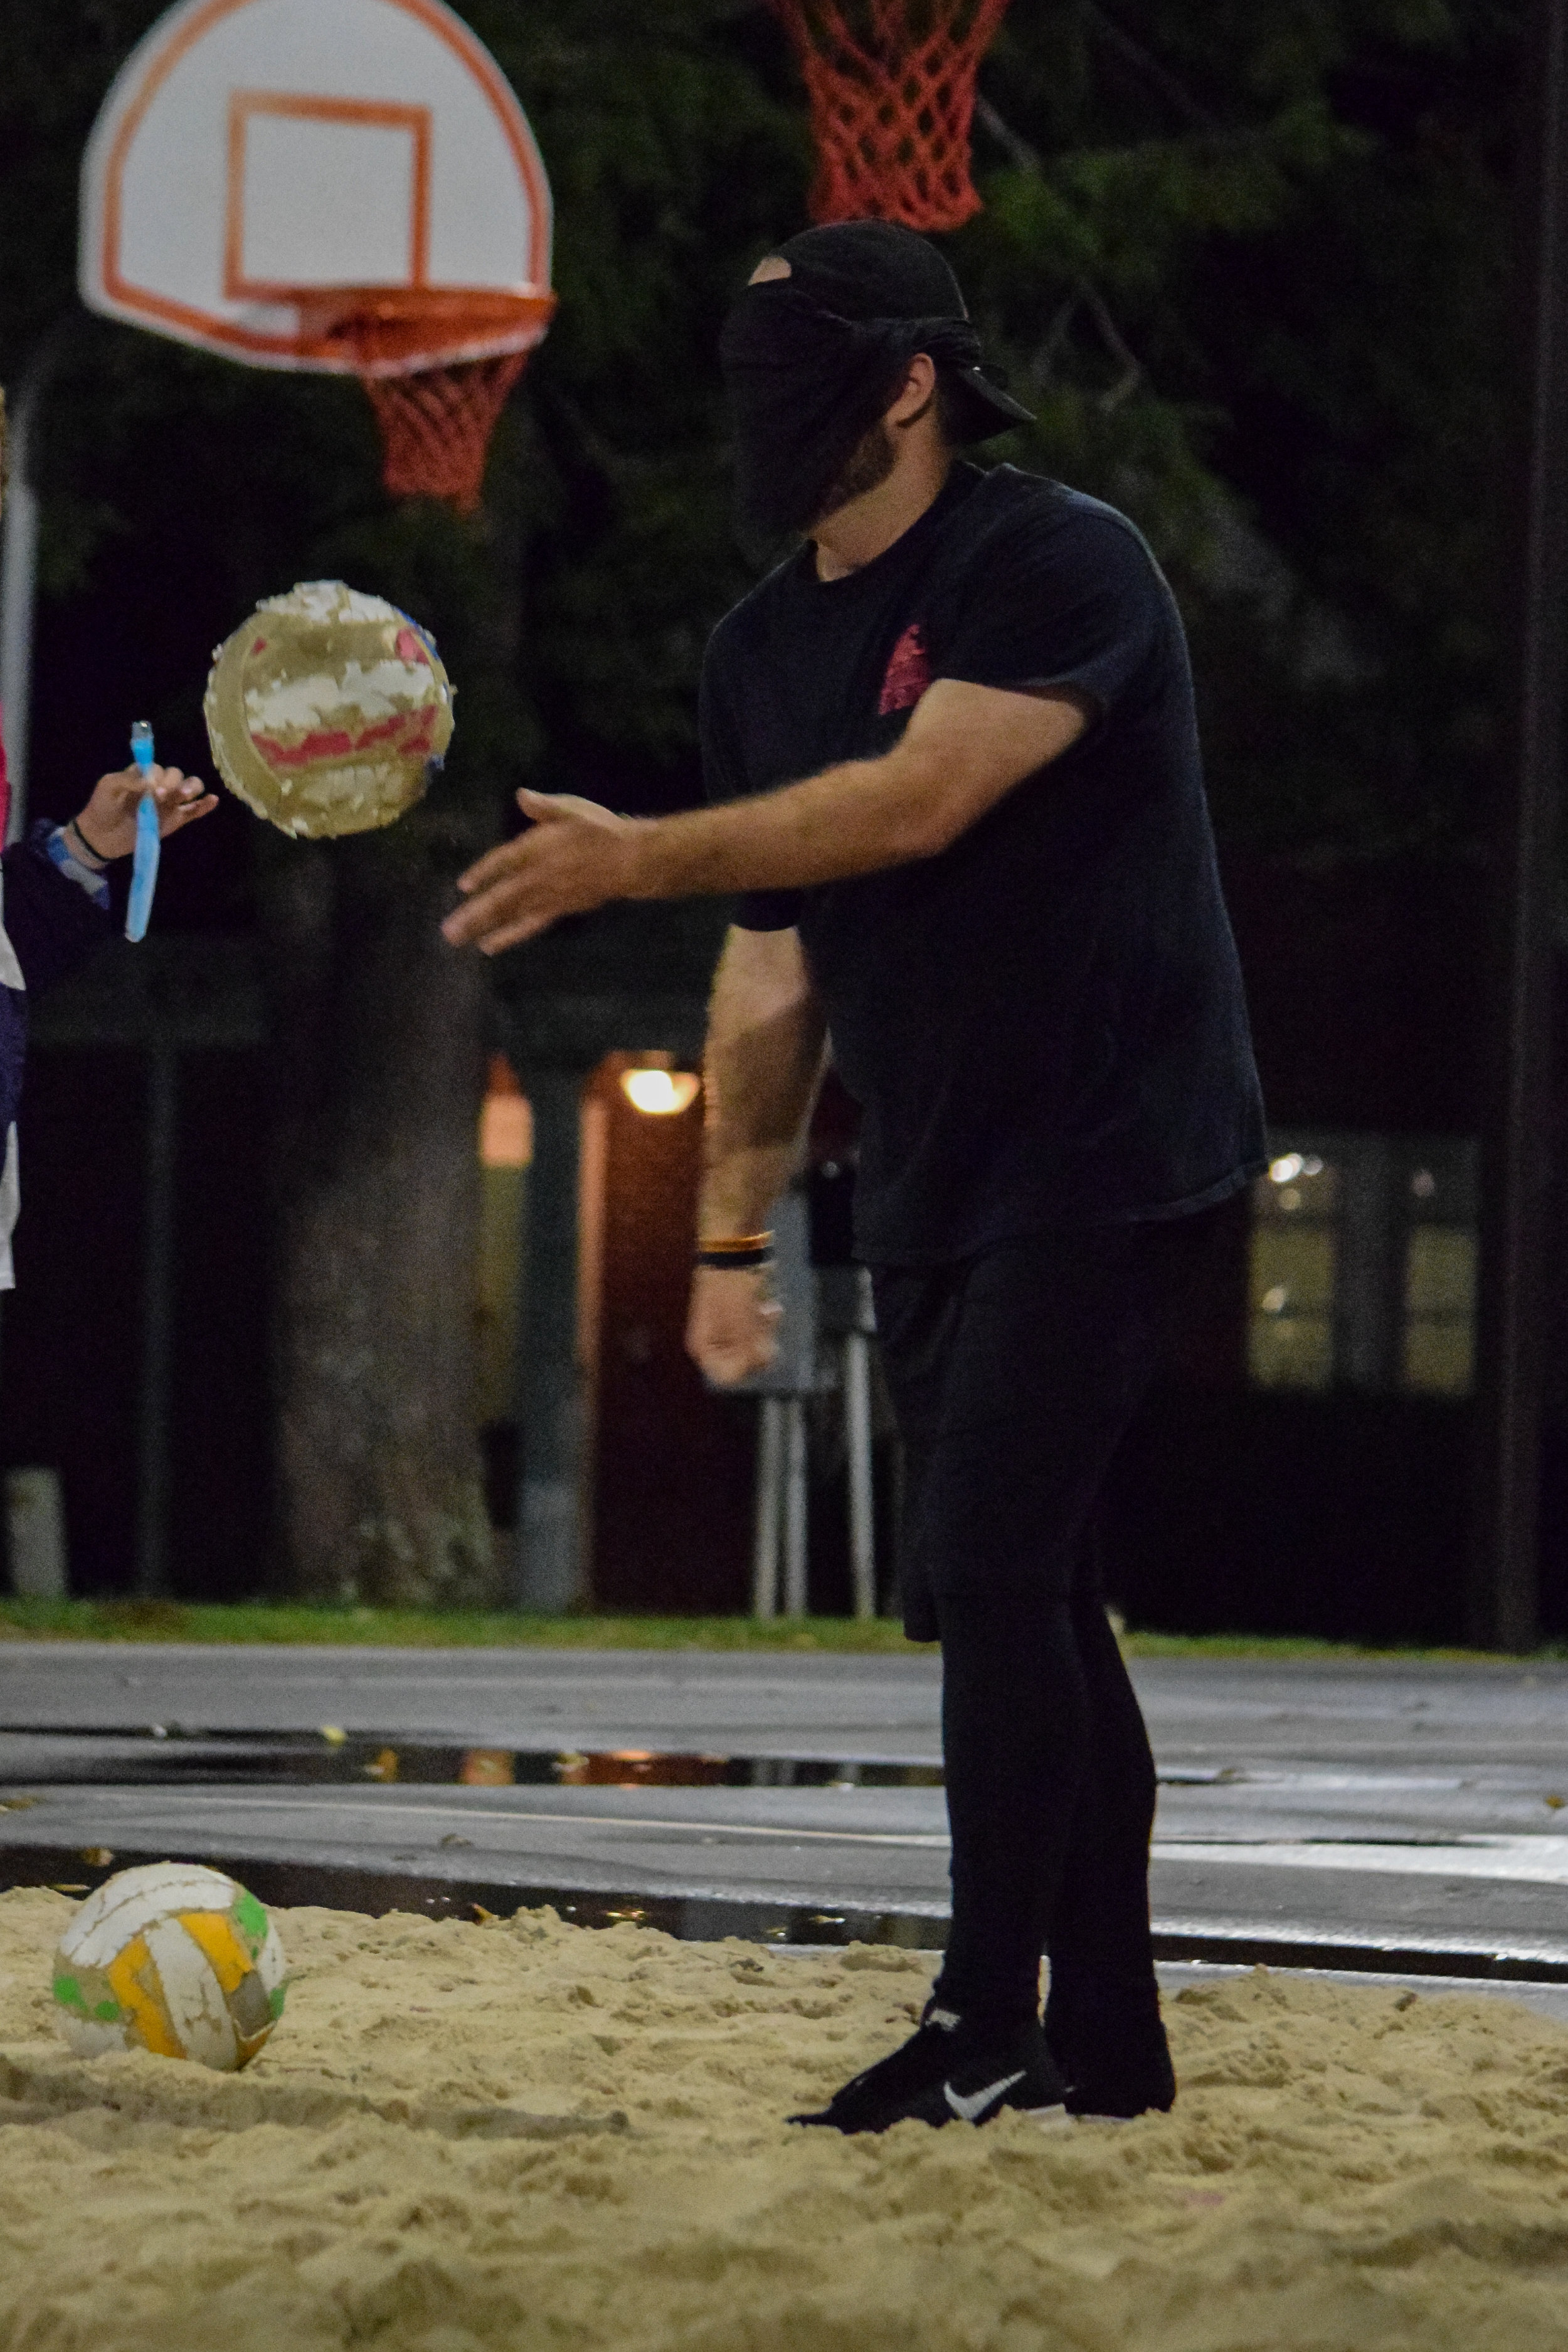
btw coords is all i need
(107, 823)
(732, 1327)
(575, 856)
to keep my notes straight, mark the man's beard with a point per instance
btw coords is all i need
(867, 467)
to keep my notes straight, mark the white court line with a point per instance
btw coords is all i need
(1541, 1861)
(474, 1817)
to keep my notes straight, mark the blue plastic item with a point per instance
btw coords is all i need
(144, 864)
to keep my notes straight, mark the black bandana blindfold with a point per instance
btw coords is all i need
(805, 386)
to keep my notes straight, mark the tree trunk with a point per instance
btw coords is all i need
(379, 1030)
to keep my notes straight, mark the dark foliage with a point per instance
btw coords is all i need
(1250, 259)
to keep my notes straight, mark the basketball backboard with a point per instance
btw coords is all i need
(261, 167)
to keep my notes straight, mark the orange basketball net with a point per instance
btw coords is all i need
(437, 364)
(435, 426)
(891, 86)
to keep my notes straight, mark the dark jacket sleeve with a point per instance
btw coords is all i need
(52, 923)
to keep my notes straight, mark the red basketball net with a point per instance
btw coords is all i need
(435, 426)
(891, 86)
(436, 416)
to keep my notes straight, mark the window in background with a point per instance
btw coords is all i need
(1291, 1331)
(1440, 1275)
(1363, 1269)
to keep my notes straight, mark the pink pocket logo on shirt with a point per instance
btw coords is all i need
(908, 673)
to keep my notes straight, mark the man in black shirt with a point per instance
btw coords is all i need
(953, 747)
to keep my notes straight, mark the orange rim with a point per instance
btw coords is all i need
(386, 331)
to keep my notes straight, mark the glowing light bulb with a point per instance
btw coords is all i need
(660, 1092)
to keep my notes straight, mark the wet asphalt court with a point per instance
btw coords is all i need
(1410, 1819)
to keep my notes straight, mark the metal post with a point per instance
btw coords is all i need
(795, 1511)
(858, 1450)
(549, 1564)
(20, 571)
(897, 1499)
(18, 590)
(157, 1321)
(1504, 1583)
(770, 1496)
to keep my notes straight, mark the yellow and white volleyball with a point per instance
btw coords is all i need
(329, 711)
(173, 1958)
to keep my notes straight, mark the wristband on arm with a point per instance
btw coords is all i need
(737, 1253)
(96, 855)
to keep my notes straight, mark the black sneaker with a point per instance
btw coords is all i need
(1109, 2044)
(948, 2072)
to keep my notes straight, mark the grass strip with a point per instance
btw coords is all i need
(416, 1629)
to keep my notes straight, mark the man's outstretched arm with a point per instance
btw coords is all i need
(761, 1070)
(965, 748)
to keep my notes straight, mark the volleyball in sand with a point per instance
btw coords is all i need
(328, 712)
(171, 1957)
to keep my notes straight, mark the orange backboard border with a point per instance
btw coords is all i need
(225, 335)
(244, 105)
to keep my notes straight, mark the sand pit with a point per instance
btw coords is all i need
(504, 2138)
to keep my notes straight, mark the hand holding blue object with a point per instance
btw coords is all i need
(145, 866)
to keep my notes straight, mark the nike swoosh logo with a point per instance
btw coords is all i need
(967, 2105)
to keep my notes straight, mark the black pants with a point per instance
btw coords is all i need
(1013, 1376)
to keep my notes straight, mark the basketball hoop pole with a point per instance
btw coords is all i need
(1504, 1597)
(19, 567)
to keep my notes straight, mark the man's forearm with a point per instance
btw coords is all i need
(741, 1188)
(965, 747)
(758, 1111)
(761, 1068)
(854, 819)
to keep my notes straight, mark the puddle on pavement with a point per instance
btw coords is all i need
(167, 1753)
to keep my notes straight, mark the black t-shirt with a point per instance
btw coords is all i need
(1045, 1024)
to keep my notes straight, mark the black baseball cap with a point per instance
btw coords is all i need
(880, 269)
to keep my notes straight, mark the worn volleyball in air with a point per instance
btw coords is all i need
(173, 1958)
(329, 711)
